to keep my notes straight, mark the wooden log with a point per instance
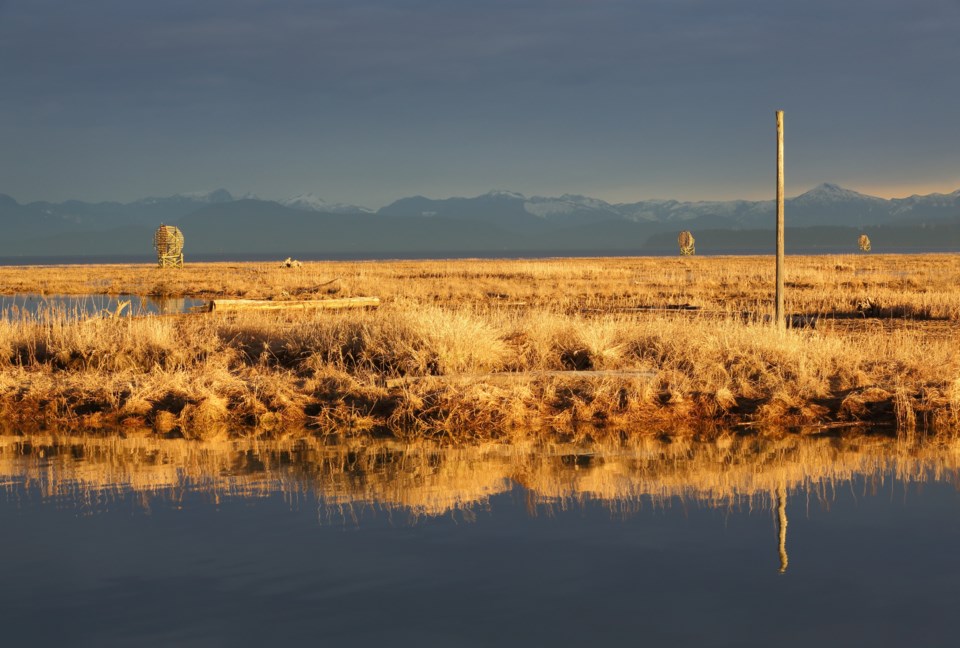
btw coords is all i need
(645, 309)
(234, 305)
(502, 377)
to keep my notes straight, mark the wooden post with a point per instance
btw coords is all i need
(780, 316)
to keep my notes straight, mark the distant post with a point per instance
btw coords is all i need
(779, 315)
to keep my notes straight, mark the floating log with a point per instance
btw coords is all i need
(232, 305)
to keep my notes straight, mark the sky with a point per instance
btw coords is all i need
(368, 101)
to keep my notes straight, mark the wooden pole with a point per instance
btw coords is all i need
(780, 315)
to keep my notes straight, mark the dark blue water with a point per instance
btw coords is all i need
(872, 562)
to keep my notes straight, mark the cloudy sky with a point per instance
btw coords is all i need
(366, 101)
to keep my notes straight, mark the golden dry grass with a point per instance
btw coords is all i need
(914, 286)
(883, 349)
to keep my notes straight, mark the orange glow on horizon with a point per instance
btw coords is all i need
(904, 190)
(885, 190)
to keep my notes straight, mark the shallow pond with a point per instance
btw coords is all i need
(76, 306)
(749, 542)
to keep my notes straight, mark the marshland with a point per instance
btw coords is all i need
(495, 349)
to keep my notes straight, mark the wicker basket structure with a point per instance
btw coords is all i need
(168, 241)
(686, 242)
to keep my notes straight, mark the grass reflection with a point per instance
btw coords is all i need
(426, 479)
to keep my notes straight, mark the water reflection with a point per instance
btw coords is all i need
(427, 480)
(143, 541)
(782, 527)
(36, 306)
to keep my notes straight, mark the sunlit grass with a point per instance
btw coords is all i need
(425, 362)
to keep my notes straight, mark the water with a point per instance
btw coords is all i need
(671, 251)
(115, 541)
(38, 306)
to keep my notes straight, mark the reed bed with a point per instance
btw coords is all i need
(430, 361)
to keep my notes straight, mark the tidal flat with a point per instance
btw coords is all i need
(462, 350)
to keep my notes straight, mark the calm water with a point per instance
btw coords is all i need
(449, 254)
(147, 542)
(33, 306)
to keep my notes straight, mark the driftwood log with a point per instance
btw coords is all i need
(233, 305)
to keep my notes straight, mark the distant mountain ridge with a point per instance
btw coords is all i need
(825, 204)
(498, 221)
(313, 202)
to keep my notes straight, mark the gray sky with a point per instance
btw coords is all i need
(367, 101)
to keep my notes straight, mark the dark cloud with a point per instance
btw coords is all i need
(367, 100)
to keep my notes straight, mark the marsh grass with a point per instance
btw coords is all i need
(902, 286)
(447, 325)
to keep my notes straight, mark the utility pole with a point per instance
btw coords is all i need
(780, 316)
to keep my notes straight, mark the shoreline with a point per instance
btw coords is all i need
(459, 411)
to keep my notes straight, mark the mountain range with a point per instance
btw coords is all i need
(498, 222)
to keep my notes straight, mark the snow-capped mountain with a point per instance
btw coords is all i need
(674, 211)
(825, 204)
(313, 202)
(830, 204)
(829, 193)
(499, 193)
(935, 207)
(494, 221)
(205, 197)
(568, 205)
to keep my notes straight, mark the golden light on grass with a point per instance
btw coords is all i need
(595, 346)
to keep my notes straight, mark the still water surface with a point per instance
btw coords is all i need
(39, 306)
(111, 541)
